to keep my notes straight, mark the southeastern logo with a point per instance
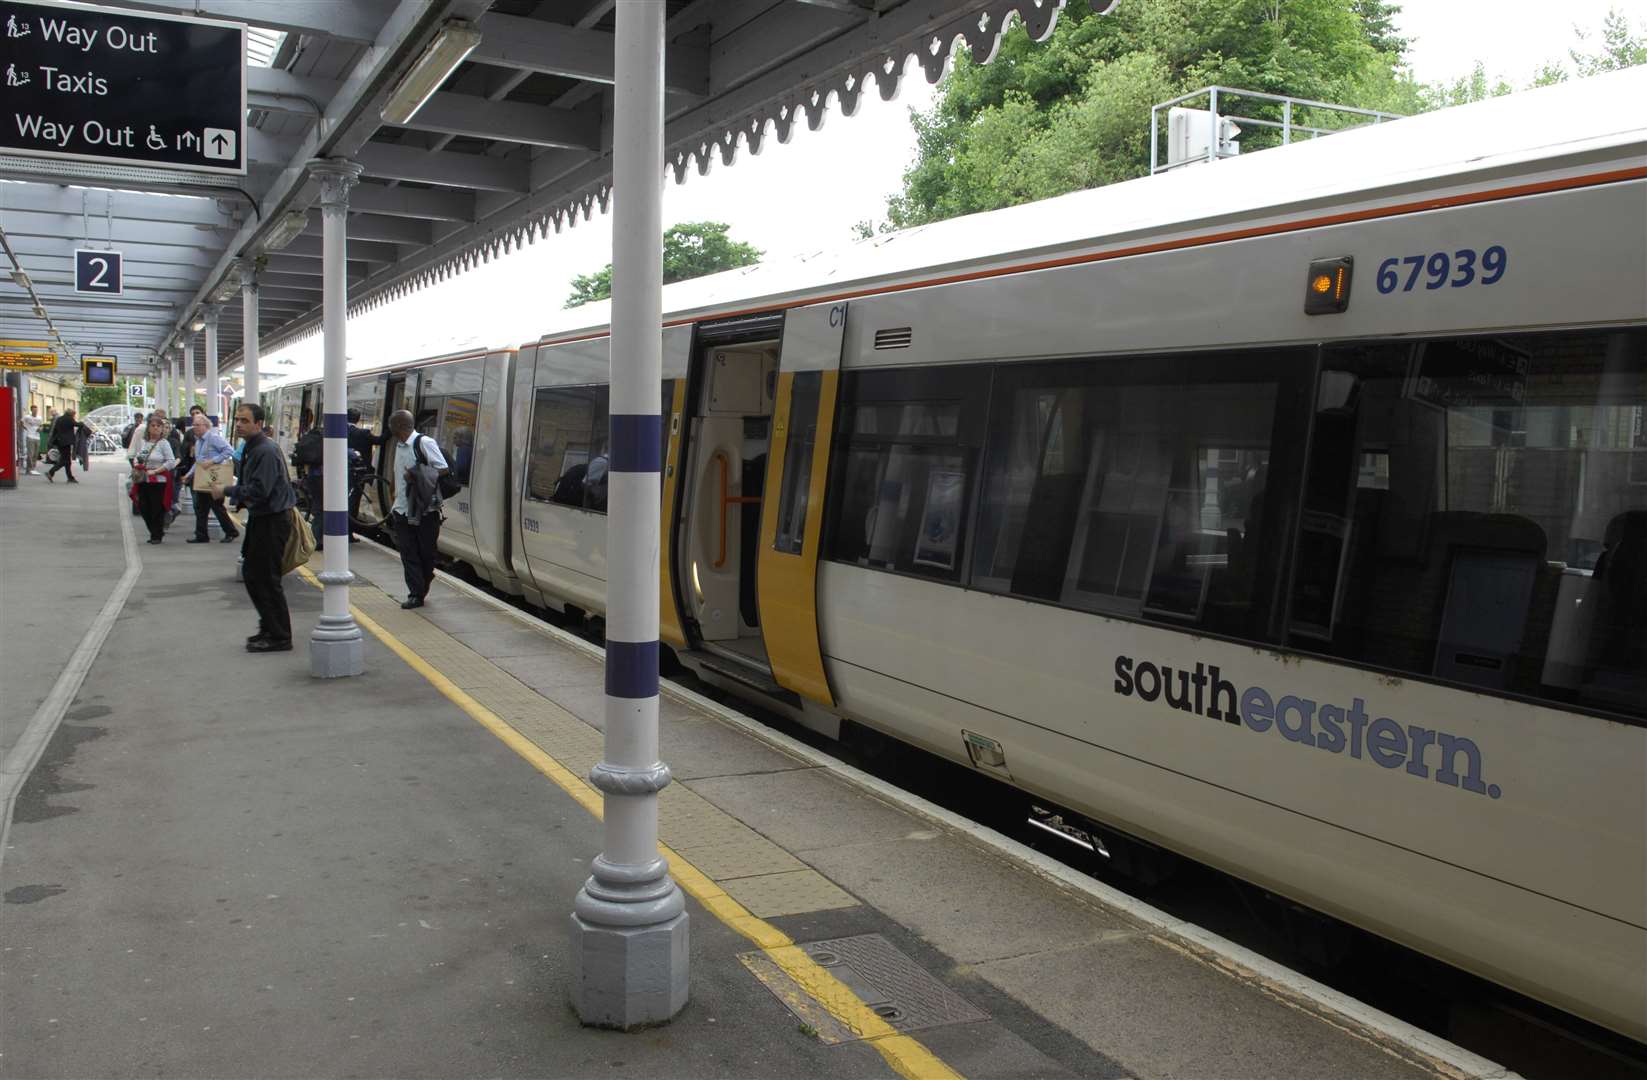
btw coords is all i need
(1336, 729)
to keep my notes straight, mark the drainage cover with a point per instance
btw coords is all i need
(886, 981)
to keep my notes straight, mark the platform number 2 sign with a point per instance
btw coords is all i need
(97, 272)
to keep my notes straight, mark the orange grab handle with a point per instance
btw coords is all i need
(728, 500)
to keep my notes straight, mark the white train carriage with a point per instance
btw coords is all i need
(1352, 605)
(462, 401)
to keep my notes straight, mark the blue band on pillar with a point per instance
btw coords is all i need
(632, 669)
(636, 443)
(337, 523)
(337, 425)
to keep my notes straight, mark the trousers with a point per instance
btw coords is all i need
(417, 541)
(266, 537)
(204, 505)
(151, 502)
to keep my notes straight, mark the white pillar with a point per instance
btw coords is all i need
(182, 397)
(335, 646)
(208, 367)
(248, 318)
(629, 921)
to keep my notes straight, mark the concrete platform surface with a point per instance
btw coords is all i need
(222, 867)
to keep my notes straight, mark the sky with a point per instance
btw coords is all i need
(805, 196)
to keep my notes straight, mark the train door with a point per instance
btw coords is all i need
(399, 392)
(792, 521)
(729, 422)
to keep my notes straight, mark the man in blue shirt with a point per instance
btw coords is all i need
(415, 514)
(210, 448)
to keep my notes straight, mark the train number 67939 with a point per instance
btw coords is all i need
(1440, 270)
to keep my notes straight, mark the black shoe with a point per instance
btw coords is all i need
(72, 480)
(261, 635)
(198, 540)
(231, 538)
(411, 602)
(269, 645)
(154, 539)
(50, 479)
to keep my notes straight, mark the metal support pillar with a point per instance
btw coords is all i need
(248, 320)
(629, 922)
(336, 644)
(208, 369)
(182, 396)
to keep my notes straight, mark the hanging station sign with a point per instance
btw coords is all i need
(98, 272)
(27, 355)
(91, 84)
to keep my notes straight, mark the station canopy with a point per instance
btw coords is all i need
(514, 144)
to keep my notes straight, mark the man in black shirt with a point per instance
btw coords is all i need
(266, 493)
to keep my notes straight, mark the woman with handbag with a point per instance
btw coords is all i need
(151, 472)
(212, 463)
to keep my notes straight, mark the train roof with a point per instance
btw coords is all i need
(1568, 125)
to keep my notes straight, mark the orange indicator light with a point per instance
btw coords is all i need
(1322, 283)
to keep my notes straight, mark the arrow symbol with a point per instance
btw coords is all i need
(219, 142)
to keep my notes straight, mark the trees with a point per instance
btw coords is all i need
(690, 249)
(95, 397)
(1073, 112)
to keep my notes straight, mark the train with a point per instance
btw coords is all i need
(1287, 512)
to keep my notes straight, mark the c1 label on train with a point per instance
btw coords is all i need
(92, 84)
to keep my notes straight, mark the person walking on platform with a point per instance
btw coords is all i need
(151, 478)
(210, 449)
(62, 441)
(415, 513)
(31, 438)
(265, 491)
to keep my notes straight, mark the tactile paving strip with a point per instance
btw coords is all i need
(893, 985)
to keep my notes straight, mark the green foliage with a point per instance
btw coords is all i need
(95, 397)
(690, 249)
(1074, 112)
(1620, 47)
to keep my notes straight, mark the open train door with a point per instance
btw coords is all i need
(809, 369)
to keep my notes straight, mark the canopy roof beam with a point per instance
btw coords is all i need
(547, 48)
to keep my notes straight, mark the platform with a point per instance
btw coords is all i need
(222, 867)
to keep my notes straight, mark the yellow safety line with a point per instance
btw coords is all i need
(908, 1057)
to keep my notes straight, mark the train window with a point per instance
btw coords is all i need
(1143, 487)
(797, 462)
(905, 455)
(455, 433)
(1475, 510)
(567, 455)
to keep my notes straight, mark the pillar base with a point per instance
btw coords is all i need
(627, 977)
(336, 648)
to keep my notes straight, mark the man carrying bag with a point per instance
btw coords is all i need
(420, 483)
(213, 463)
(266, 493)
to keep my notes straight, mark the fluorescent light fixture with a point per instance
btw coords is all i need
(286, 229)
(456, 40)
(21, 277)
(197, 323)
(226, 291)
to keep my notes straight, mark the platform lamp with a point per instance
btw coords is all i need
(455, 41)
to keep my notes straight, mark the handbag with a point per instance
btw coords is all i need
(53, 456)
(207, 475)
(300, 543)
